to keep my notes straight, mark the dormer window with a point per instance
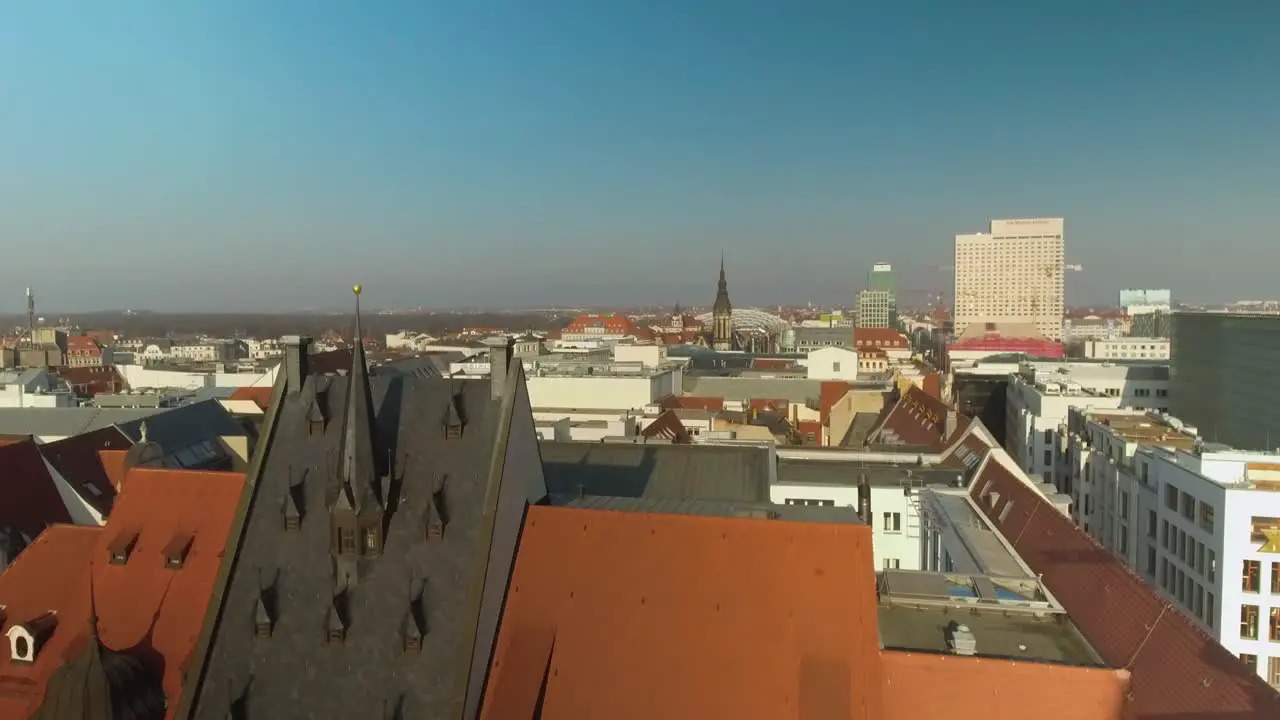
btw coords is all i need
(175, 553)
(371, 539)
(293, 504)
(26, 639)
(262, 620)
(346, 541)
(121, 548)
(336, 627)
(435, 521)
(316, 418)
(453, 420)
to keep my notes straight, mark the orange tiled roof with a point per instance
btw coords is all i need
(1178, 671)
(51, 574)
(917, 418)
(637, 615)
(668, 425)
(918, 686)
(260, 396)
(142, 605)
(879, 338)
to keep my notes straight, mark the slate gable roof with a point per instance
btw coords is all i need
(29, 499)
(733, 473)
(393, 630)
(76, 459)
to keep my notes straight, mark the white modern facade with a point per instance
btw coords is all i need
(1041, 394)
(875, 308)
(832, 363)
(1013, 273)
(1197, 521)
(1128, 348)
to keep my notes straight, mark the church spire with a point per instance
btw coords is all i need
(358, 472)
(722, 292)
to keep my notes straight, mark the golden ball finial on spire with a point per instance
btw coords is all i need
(355, 289)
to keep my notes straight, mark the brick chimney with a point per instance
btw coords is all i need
(297, 353)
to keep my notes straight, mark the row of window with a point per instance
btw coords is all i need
(1273, 667)
(1251, 577)
(1249, 615)
(1189, 593)
(1185, 504)
(1193, 553)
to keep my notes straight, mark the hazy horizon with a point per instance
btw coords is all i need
(245, 156)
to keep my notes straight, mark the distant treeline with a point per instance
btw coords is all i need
(274, 325)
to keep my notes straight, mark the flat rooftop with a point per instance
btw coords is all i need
(1013, 618)
(954, 511)
(794, 471)
(713, 508)
(1142, 427)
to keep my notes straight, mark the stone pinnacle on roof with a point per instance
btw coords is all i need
(358, 471)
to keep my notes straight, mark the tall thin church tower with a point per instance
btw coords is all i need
(722, 315)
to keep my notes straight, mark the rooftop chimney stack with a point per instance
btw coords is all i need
(864, 498)
(297, 353)
(500, 356)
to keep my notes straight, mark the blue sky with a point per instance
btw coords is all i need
(264, 155)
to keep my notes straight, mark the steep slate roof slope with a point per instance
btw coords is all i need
(924, 685)
(1178, 671)
(77, 459)
(29, 499)
(636, 615)
(738, 473)
(309, 627)
(50, 575)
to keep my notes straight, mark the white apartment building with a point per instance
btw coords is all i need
(832, 363)
(893, 485)
(1128, 348)
(1040, 395)
(1013, 273)
(1198, 521)
(263, 349)
(33, 388)
(208, 351)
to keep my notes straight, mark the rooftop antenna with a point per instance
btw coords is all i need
(31, 317)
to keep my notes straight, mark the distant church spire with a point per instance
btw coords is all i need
(358, 471)
(722, 314)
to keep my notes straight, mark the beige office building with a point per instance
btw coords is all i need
(1012, 274)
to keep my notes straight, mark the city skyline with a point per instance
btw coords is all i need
(235, 156)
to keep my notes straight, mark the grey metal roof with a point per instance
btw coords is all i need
(838, 472)
(837, 336)
(430, 365)
(862, 425)
(176, 428)
(732, 473)
(797, 390)
(713, 508)
(295, 672)
(65, 422)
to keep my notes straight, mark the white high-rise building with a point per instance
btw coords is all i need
(1012, 274)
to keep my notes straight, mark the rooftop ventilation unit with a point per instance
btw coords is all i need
(961, 640)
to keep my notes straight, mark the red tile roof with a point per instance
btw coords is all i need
(77, 460)
(637, 615)
(916, 419)
(1178, 671)
(51, 574)
(29, 499)
(918, 686)
(879, 338)
(260, 396)
(86, 382)
(830, 392)
(668, 425)
(142, 605)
